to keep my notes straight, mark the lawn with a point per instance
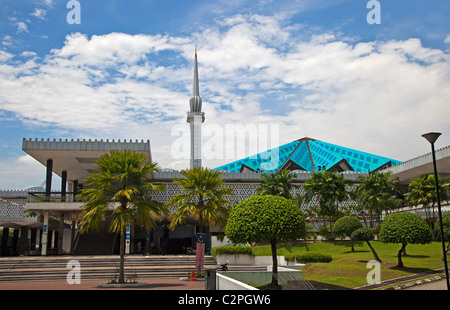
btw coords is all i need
(349, 269)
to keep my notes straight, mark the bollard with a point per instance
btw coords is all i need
(210, 279)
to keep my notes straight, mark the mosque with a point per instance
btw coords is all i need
(44, 221)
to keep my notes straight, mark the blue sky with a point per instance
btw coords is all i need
(310, 67)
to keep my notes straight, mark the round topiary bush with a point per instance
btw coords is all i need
(404, 228)
(346, 225)
(266, 218)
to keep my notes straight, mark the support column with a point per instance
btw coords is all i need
(48, 179)
(75, 190)
(45, 234)
(52, 241)
(23, 240)
(15, 242)
(63, 186)
(37, 241)
(60, 232)
(72, 238)
(5, 239)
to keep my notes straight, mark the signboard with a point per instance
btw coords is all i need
(201, 238)
(127, 240)
(75, 216)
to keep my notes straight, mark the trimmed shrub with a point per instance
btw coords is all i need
(309, 257)
(344, 226)
(232, 250)
(405, 228)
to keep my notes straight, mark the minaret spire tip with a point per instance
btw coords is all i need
(195, 102)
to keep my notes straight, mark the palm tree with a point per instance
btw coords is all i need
(377, 193)
(330, 189)
(122, 186)
(278, 183)
(203, 197)
(422, 191)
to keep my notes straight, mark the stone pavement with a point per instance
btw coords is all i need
(153, 284)
(429, 286)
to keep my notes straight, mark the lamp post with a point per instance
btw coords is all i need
(432, 137)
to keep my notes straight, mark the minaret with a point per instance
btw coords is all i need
(195, 117)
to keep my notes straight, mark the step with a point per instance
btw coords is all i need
(55, 268)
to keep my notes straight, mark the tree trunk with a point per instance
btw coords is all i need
(399, 256)
(122, 256)
(273, 246)
(404, 254)
(446, 250)
(375, 255)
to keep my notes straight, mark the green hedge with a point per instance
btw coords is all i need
(309, 257)
(232, 250)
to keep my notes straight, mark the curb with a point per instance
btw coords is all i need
(419, 282)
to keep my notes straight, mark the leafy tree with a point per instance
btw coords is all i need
(365, 234)
(377, 193)
(203, 197)
(422, 191)
(404, 228)
(121, 186)
(266, 218)
(330, 189)
(346, 225)
(278, 183)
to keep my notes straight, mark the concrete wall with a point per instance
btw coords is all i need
(248, 260)
(225, 283)
(243, 280)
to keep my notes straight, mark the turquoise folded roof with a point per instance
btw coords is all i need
(310, 155)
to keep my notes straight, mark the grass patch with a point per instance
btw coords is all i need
(349, 269)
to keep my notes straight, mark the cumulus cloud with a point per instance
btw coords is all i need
(39, 13)
(21, 27)
(373, 96)
(21, 172)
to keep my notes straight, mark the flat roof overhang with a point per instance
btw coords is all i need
(415, 167)
(78, 157)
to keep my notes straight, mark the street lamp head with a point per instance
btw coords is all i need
(431, 136)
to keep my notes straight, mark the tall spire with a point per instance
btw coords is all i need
(195, 118)
(195, 102)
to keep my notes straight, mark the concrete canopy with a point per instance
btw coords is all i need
(415, 167)
(77, 157)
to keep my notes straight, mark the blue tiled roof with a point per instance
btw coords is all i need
(298, 154)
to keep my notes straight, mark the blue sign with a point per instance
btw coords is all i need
(201, 238)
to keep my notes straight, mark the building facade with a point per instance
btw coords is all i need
(45, 221)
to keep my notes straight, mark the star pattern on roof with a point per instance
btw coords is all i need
(311, 155)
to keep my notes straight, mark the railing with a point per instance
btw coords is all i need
(53, 197)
